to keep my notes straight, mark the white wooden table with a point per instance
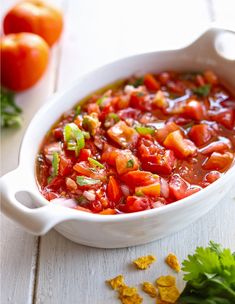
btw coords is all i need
(52, 269)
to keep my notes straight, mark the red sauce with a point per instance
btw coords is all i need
(136, 146)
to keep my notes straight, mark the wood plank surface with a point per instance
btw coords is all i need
(99, 32)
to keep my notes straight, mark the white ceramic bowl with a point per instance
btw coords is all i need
(123, 230)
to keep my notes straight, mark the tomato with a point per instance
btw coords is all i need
(138, 101)
(24, 58)
(212, 176)
(135, 204)
(218, 161)
(150, 190)
(110, 154)
(164, 77)
(216, 146)
(122, 134)
(200, 134)
(165, 130)
(225, 117)
(151, 83)
(65, 166)
(84, 168)
(126, 162)
(139, 178)
(84, 154)
(211, 77)
(108, 211)
(181, 146)
(50, 195)
(34, 16)
(180, 189)
(114, 192)
(195, 110)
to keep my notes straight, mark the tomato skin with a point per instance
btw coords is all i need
(137, 100)
(150, 190)
(65, 166)
(135, 204)
(166, 130)
(195, 110)
(216, 146)
(181, 146)
(24, 58)
(180, 189)
(212, 176)
(114, 192)
(211, 77)
(218, 161)
(225, 117)
(34, 16)
(151, 83)
(138, 178)
(200, 134)
(122, 162)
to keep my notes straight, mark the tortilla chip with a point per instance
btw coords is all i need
(166, 281)
(169, 294)
(149, 289)
(129, 295)
(116, 282)
(173, 262)
(144, 262)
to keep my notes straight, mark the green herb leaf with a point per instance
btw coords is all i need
(202, 90)
(95, 163)
(138, 82)
(145, 130)
(210, 276)
(130, 163)
(113, 116)
(78, 110)
(84, 181)
(9, 111)
(55, 164)
(74, 137)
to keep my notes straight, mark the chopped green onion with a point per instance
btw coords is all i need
(86, 135)
(113, 116)
(78, 110)
(130, 163)
(139, 193)
(202, 90)
(55, 164)
(95, 163)
(145, 130)
(84, 181)
(137, 82)
(74, 137)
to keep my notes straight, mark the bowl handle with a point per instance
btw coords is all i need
(37, 221)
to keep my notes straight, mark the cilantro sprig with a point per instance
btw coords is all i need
(210, 276)
(9, 111)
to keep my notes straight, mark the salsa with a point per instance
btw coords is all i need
(140, 144)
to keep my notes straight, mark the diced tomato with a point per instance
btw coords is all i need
(181, 146)
(56, 183)
(200, 134)
(122, 134)
(212, 176)
(159, 100)
(110, 154)
(125, 162)
(84, 168)
(211, 77)
(180, 189)
(165, 130)
(195, 110)
(139, 178)
(216, 146)
(108, 211)
(93, 108)
(96, 206)
(147, 147)
(200, 80)
(65, 166)
(50, 195)
(151, 83)
(161, 163)
(225, 117)
(51, 148)
(84, 154)
(150, 190)
(135, 204)
(218, 161)
(114, 192)
(58, 133)
(164, 77)
(176, 87)
(137, 100)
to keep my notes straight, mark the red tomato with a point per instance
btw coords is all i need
(181, 146)
(65, 166)
(139, 178)
(216, 146)
(165, 130)
(114, 192)
(180, 189)
(176, 87)
(218, 161)
(164, 77)
(195, 110)
(50, 195)
(122, 134)
(135, 204)
(110, 154)
(212, 176)
(126, 162)
(211, 77)
(137, 100)
(150, 190)
(84, 168)
(84, 154)
(24, 58)
(225, 117)
(151, 83)
(34, 16)
(200, 134)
